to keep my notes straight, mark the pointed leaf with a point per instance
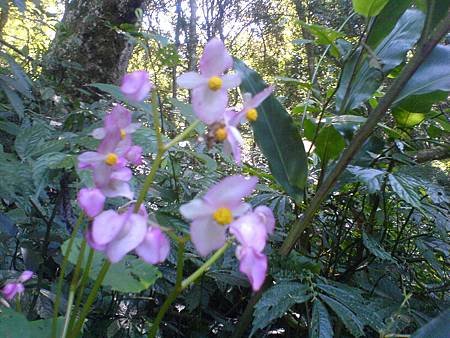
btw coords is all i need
(320, 323)
(370, 177)
(329, 144)
(369, 7)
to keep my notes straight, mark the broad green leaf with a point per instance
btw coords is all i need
(348, 318)
(14, 99)
(324, 36)
(386, 20)
(277, 137)
(360, 80)
(321, 326)
(30, 140)
(437, 328)
(406, 188)
(146, 138)
(375, 248)
(329, 144)
(370, 177)
(433, 75)
(15, 325)
(439, 9)
(369, 7)
(407, 119)
(129, 275)
(44, 163)
(276, 301)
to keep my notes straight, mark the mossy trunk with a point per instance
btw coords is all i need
(87, 48)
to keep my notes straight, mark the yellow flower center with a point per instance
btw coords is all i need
(252, 115)
(123, 134)
(215, 83)
(220, 134)
(111, 159)
(223, 216)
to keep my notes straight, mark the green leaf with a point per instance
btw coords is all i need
(406, 188)
(30, 140)
(407, 119)
(320, 323)
(276, 301)
(348, 318)
(375, 248)
(324, 36)
(14, 99)
(129, 275)
(386, 20)
(437, 328)
(329, 144)
(277, 137)
(14, 324)
(369, 7)
(433, 75)
(359, 80)
(370, 177)
(44, 163)
(146, 138)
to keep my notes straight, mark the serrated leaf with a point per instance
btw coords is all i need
(369, 8)
(321, 326)
(30, 140)
(277, 136)
(276, 301)
(347, 317)
(14, 99)
(406, 188)
(370, 177)
(44, 163)
(375, 248)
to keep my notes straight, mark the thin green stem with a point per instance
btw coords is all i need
(68, 312)
(62, 273)
(149, 180)
(175, 292)
(90, 300)
(182, 136)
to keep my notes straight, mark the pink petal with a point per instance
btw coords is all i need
(230, 191)
(99, 133)
(209, 105)
(232, 118)
(11, 289)
(196, 208)
(91, 201)
(267, 217)
(256, 100)
(235, 142)
(254, 265)
(93, 244)
(106, 227)
(231, 81)
(109, 142)
(102, 174)
(191, 80)
(155, 247)
(206, 235)
(215, 59)
(131, 235)
(134, 155)
(89, 159)
(122, 116)
(250, 231)
(136, 85)
(122, 174)
(26, 275)
(117, 188)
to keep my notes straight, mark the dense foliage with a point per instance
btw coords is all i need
(351, 152)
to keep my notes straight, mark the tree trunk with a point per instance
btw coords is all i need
(87, 48)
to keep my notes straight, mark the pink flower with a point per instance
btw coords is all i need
(233, 141)
(117, 234)
(134, 155)
(251, 231)
(118, 121)
(91, 201)
(10, 290)
(248, 111)
(155, 247)
(209, 87)
(211, 214)
(136, 85)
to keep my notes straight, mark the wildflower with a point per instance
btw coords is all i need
(118, 121)
(211, 214)
(136, 85)
(155, 247)
(10, 290)
(251, 231)
(209, 87)
(249, 111)
(117, 234)
(91, 201)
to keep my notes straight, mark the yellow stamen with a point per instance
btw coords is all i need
(123, 134)
(223, 216)
(215, 83)
(252, 115)
(220, 134)
(111, 159)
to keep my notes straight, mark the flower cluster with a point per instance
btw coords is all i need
(10, 289)
(222, 209)
(117, 233)
(210, 98)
